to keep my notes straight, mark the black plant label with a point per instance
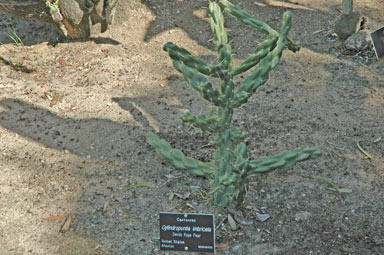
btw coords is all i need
(377, 38)
(187, 232)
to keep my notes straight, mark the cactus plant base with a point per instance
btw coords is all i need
(348, 24)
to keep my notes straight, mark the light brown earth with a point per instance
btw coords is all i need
(74, 116)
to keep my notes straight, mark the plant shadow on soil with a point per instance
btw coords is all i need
(94, 137)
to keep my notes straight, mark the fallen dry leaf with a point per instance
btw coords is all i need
(57, 217)
(54, 100)
(183, 196)
(222, 245)
(67, 225)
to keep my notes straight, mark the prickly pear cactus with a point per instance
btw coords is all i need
(231, 166)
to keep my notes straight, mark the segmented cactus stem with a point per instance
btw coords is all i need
(246, 18)
(194, 166)
(285, 159)
(216, 20)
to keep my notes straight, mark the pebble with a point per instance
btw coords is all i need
(244, 222)
(263, 216)
(236, 247)
(303, 215)
(359, 41)
(5, 69)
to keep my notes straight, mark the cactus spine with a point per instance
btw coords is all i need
(230, 167)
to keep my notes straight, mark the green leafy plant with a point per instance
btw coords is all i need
(231, 167)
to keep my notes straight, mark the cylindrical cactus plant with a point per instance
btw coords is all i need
(349, 21)
(231, 166)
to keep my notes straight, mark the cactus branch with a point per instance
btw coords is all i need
(269, 61)
(247, 18)
(194, 166)
(209, 123)
(216, 20)
(198, 82)
(282, 160)
(260, 52)
(182, 55)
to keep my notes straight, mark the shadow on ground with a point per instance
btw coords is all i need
(91, 138)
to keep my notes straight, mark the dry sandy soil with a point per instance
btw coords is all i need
(74, 116)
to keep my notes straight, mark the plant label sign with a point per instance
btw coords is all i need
(187, 232)
(377, 38)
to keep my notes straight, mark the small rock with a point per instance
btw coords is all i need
(300, 216)
(232, 222)
(359, 41)
(237, 247)
(183, 196)
(124, 77)
(5, 69)
(98, 78)
(263, 217)
(244, 222)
